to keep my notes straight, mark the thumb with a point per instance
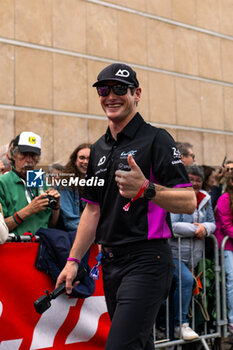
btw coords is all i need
(132, 162)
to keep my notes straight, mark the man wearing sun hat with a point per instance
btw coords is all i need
(128, 216)
(26, 208)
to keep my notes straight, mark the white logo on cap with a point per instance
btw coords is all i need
(122, 73)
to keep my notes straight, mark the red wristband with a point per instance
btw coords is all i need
(74, 259)
(138, 195)
(18, 217)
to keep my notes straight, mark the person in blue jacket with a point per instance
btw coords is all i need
(74, 172)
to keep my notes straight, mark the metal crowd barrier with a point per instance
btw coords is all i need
(207, 335)
(12, 237)
(223, 278)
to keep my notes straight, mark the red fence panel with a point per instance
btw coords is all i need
(69, 323)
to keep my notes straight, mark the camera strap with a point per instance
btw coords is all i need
(30, 195)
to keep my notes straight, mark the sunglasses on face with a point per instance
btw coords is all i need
(191, 155)
(118, 90)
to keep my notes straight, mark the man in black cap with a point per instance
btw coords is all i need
(26, 208)
(144, 179)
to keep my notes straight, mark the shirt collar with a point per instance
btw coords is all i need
(129, 130)
(15, 175)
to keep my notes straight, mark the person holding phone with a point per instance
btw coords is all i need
(220, 180)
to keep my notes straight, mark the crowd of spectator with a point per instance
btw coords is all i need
(26, 208)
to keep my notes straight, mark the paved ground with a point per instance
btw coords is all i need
(227, 344)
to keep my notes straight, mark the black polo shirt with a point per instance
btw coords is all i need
(155, 152)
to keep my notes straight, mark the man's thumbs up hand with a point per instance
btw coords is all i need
(129, 182)
(132, 163)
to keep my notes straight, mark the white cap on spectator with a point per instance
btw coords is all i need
(28, 141)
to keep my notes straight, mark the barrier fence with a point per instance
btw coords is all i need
(69, 323)
(224, 298)
(81, 324)
(213, 329)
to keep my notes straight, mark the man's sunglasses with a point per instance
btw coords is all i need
(118, 90)
(191, 155)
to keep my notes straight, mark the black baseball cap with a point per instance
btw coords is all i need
(117, 72)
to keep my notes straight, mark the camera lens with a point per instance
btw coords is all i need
(52, 202)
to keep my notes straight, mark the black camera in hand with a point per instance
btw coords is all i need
(44, 302)
(52, 202)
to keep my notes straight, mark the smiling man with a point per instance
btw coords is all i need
(144, 178)
(26, 208)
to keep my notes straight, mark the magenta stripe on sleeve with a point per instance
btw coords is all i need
(86, 200)
(183, 185)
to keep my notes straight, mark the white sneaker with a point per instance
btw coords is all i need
(186, 332)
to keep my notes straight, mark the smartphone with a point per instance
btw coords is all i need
(223, 164)
(224, 160)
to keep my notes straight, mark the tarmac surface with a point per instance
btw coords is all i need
(227, 343)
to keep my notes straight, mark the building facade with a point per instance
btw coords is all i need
(52, 50)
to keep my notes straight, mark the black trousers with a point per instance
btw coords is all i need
(135, 285)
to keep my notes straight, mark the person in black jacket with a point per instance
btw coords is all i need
(134, 168)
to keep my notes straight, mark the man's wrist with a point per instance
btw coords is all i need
(78, 261)
(150, 191)
(138, 195)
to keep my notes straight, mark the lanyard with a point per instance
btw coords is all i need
(94, 274)
(30, 195)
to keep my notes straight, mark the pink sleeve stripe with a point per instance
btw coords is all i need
(183, 185)
(86, 200)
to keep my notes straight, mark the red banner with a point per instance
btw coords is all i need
(69, 323)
